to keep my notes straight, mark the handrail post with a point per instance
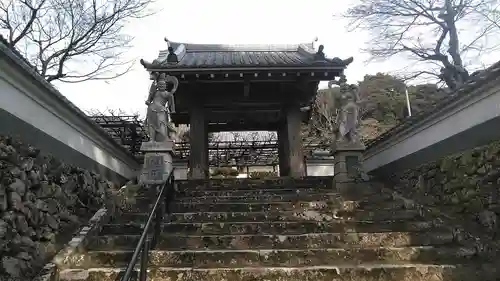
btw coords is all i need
(165, 194)
(142, 240)
(170, 193)
(158, 222)
(143, 275)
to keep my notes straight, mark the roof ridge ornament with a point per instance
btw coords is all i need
(320, 57)
(306, 50)
(172, 56)
(171, 59)
(315, 40)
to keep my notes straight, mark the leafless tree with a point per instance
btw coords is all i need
(322, 125)
(183, 133)
(268, 136)
(214, 137)
(445, 32)
(252, 136)
(72, 40)
(111, 112)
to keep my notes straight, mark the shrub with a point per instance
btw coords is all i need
(225, 172)
(263, 174)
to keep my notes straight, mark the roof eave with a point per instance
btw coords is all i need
(22, 65)
(247, 68)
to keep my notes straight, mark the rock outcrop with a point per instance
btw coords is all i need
(42, 202)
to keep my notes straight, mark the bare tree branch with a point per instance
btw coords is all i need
(72, 40)
(443, 31)
(417, 74)
(246, 136)
(322, 125)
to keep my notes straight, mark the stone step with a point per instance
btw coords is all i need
(274, 257)
(279, 179)
(236, 187)
(256, 183)
(298, 206)
(335, 198)
(257, 241)
(285, 191)
(282, 191)
(276, 215)
(250, 192)
(256, 198)
(367, 272)
(277, 228)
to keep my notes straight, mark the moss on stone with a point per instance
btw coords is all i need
(466, 182)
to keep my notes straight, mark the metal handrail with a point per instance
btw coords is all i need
(144, 244)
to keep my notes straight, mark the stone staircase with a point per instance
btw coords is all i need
(253, 230)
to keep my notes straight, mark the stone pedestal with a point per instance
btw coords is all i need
(347, 162)
(157, 162)
(181, 169)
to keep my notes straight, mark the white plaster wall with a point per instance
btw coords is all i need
(261, 169)
(482, 107)
(320, 169)
(180, 171)
(38, 107)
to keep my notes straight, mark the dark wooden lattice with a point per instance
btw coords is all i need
(127, 130)
(242, 153)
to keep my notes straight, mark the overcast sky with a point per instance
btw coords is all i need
(227, 22)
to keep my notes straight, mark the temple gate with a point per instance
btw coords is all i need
(244, 88)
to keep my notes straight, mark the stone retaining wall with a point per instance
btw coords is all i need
(464, 186)
(42, 203)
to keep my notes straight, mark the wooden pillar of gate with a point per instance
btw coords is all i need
(290, 150)
(198, 138)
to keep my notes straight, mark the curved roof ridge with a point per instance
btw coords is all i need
(195, 47)
(196, 56)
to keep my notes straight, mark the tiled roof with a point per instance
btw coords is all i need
(9, 51)
(226, 56)
(465, 92)
(16, 52)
